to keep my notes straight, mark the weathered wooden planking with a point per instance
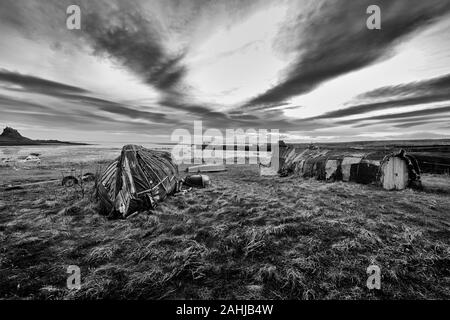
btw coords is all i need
(331, 167)
(395, 174)
(207, 168)
(346, 166)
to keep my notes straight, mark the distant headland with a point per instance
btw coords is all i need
(12, 137)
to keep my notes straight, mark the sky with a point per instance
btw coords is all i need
(138, 70)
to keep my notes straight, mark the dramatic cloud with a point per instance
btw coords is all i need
(415, 124)
(381, 119)
(369, 107)
(147, 67)
(11, 104)
(334, 40)
(30, 84)
(134, 41)
(439, 85)
(405, 95)
(38, 85)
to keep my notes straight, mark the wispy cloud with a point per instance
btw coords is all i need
(334, 40)
(429, 87)
(31, 83)
(214, 61)
(123, 33)
(410, 94)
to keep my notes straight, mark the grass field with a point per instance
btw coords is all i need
(244, 237)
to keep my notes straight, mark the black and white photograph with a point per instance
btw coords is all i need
(254, 151)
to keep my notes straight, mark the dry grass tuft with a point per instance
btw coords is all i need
(244, 237)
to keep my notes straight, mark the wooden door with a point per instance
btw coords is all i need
(401, 176)
(395, 174)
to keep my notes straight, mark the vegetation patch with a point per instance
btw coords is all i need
(245, 237)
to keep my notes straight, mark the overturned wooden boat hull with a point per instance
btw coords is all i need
(137, 180)
(206, 168)
(392, 171)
